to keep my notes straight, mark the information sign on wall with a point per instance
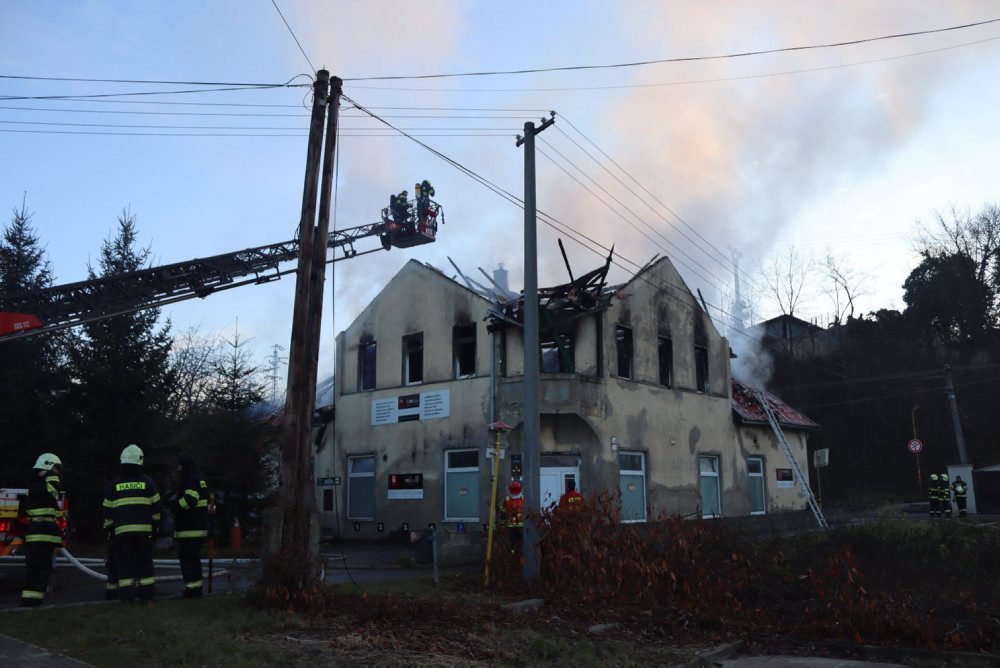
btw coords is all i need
(406, 485)
(785, 478)
(411, 407)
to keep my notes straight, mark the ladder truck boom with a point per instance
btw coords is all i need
(63, 306)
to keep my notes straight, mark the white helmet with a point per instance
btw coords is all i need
(46, 461)
(132, 454)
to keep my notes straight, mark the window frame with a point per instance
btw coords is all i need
(701, 375)
(762, 474)
(363, 347)
(463, 337)
(638, 473)
(717, 475)
(624, 351)
(408, 353)
(477, 469)
(660, 341)
(351, 475)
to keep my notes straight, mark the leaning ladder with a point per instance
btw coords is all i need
(803, 480)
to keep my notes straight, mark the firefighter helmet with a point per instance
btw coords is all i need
(46, 462)
(515, 487)
(934, 476)
(132, 454)
(944, 476)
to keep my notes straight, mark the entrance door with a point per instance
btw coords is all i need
(554, 482)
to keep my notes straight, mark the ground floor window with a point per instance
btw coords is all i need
(327, 500)
(461, 485)
(361, 487)
(711, 492)
(755, 473)
(632, 482)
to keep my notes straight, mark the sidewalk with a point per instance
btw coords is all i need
(18, 653)
(370, 556)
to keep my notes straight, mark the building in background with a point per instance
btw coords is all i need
(636, 396)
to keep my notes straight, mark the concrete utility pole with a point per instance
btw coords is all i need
(956, 421)
(532, 427)
(296, 563)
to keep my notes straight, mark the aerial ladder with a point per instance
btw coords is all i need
(800, 476)
(62, 306)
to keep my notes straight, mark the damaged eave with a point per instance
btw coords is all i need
(748, 410)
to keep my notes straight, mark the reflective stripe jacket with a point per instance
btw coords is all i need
(42, 508)
(132, 505)
(191, 511)
(513, 511)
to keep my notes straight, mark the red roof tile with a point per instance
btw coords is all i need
(747, 407)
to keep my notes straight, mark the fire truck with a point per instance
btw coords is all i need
(14, 521)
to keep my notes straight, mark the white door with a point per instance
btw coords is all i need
(554, 483)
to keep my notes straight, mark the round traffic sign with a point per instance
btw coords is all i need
(915, 446)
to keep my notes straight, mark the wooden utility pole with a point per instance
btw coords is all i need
(296, 564)
(956, 420)
(532, 353)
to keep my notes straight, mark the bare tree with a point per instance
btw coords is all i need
(785, 279)
(976, 236)
(193, 362)
(845, 285)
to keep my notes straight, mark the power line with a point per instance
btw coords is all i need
(368, 134)
(159, 92)
(255, 84)
(682, 59)
(233, 127)
(683, 82)
(292, 33)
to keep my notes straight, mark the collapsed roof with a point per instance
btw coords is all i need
(748, 409)
(561, 305)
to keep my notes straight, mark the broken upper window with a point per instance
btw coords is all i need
(701, 368)
(366, 365)
(463, 347)
(413, 359)
(557, 352)
(665, 352)
(623, 343)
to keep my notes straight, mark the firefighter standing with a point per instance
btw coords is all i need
(399, 208)
(932, 495)
(513, 514)
(131, 518)
(424, 193)
(191, 526)
(961, 491)
(572, 497)
(43, 536)
(945, 495)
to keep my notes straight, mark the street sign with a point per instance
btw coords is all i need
(915, 446)
(821, 458)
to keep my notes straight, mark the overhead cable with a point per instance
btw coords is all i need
(680, 59)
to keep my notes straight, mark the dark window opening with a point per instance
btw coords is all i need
(701, 368)
(327, 500)
(665, 349)
(623, 343)
(413, 359)
(463, 345)
(557, 352)
(366, 365)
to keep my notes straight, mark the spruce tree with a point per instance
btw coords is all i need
(122, 380)
(30, 365)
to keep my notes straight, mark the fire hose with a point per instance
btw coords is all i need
(83, 565)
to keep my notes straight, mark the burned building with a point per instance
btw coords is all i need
(635, 396)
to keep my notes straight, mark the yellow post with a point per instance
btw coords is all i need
(497, 429)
